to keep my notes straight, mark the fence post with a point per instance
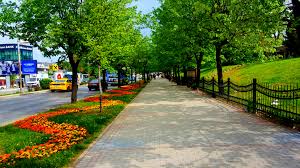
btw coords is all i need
(254, 95)
(213, 87)
(228, 89)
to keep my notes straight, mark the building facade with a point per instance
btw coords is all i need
(9, 52)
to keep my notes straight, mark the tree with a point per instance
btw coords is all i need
(7, 17)
(55, 27)
(108, 31)
(178, 36)
(239, 23)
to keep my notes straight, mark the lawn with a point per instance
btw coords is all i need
(274, 73)
(57, 137)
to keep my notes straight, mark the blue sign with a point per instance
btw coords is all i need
(29, 67)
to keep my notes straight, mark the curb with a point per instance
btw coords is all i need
(27, 93)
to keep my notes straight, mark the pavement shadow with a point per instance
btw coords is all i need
(171, 127)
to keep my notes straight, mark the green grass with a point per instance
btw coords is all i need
(92, 120)
(78, 104)
(275, 73)
(14, 139)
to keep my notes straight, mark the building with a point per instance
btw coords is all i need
(42, 70)
(9, 52)
(9, 61)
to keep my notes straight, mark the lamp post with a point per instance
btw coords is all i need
(20, 69)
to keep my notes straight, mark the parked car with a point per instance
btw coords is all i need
(93, 84)
(63, 84)
(2, 87)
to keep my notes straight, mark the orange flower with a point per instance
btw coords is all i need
(63, 136)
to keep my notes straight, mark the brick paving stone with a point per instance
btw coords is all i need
(169, 126)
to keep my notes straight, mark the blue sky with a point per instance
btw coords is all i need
(145, 6)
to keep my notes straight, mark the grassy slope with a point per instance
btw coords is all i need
(278, 72)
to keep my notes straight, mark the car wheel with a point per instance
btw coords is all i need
(90, 89)
(68, 89)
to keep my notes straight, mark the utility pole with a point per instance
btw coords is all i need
(20, 69)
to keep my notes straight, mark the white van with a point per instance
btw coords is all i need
(35, 82)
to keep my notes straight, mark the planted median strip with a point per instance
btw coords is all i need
(71, 128)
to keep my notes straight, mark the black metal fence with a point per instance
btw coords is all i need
(281, 102)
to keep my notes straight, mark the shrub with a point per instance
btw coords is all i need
(45, 83)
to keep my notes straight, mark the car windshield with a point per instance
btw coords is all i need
(32, 79)
(60, 81)
(94, 81)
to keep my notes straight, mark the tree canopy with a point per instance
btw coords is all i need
(186, 33)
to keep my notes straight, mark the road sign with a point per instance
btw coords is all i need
(58, 76)
(54, 67)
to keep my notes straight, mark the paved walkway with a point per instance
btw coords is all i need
(169, 126)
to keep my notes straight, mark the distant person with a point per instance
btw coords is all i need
(154, 76)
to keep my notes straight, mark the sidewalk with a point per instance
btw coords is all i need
(169, 126)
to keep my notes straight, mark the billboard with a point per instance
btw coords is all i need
(29, 67)
(12, 67)
(9, 67)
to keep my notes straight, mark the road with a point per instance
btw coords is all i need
(16, 107)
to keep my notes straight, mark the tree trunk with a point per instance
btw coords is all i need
(119, 78)
(74, 82)
(131, 75)
(135, 76)
(144, 74)
(100, 87)
(174, 74)
(219, 68)
(178, 79)
(148, 76)
(104, 80)
(198, 73)
(296, 13)
(185, 75)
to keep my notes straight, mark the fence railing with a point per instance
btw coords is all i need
(281, 102)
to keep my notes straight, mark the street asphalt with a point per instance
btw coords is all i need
(17, 107)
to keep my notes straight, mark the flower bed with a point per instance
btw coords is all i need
(63, 136)
(131, 87)
(125, 90)
(121, 92)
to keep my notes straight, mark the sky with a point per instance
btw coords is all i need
(145, 6)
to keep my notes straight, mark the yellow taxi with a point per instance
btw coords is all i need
(63, 84)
